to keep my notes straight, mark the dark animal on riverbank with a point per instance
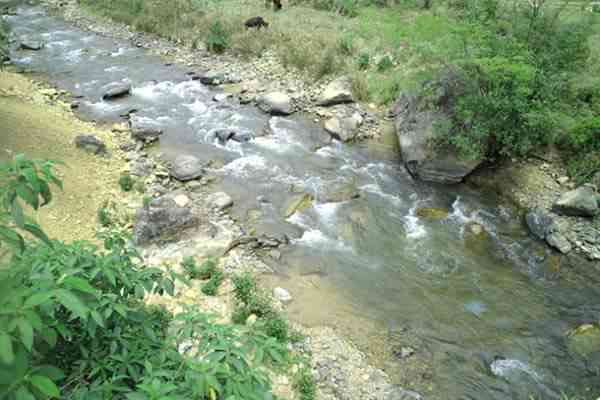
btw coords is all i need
(256, 22)
(276, 4)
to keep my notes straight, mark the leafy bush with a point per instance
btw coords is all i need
(346, 45)
(515, 73)
(304, 384)
(205, 271)
(363, 61)
(210, 288)
(126, 182)
(104, 218)
(218, 39)
(384, 64)
(74, 324)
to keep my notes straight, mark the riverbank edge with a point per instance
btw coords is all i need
(338, 366)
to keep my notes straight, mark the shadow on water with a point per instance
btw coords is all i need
(443, 273)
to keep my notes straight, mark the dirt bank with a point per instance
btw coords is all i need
(37, 123)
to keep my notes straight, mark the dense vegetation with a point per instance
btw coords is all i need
(74, 324)
(3, 40)
(528, 71)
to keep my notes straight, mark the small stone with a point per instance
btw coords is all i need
(282, 295)
(220, 200)
(562, 180)
(186, 168)
(181, 200)
(251, 320)
(116, 90)
(337, 92)
(221, 97)
(276, 103)
(90, 144)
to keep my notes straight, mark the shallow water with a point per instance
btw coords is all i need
(370, 266)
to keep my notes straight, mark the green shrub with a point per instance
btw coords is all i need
(211, 287)
(305, 385)
(346, 45)
(276, 326)
(74, 323)
(244, 287)
(126, 182)
(104, 218)
(384, 64)
(363, 60)
(218, 39)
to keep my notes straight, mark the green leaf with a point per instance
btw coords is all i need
(51, 372)
(38, 299)
(17, 213)
(36, 231)
(72, 303)
(6, 349)
(98, 318)
(136, 396)
(26, 333)
(45, 385)
(80, 284)
(23, 394)
(12, 238)
(45, 192)
(25, 193)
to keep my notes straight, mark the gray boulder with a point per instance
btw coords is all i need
(144, 129)
(161, 217)
(417, 120)
(559, 242)
(30, 44)
(186, 168)
(337, 92)
(220, 200)
(276, 103)
(90, 143)
(116, 90)
(344, 129)
(213, 78)
(580, 202)
(538, 222)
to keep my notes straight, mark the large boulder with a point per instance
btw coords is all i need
(161, 217)
(186, 168)
(116, 90)
(337, 92)
(417, 118)
(343, 129)
(90, 143)
(581, 202)
(276, 103)
(538, 222)
(144, 129)
(31, 44)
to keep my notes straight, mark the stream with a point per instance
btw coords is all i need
(483, 305)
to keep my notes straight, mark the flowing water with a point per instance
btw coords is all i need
(484, 306)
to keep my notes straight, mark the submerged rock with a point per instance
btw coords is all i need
(580, 202)
(90, 143)
(30, 44)
(161, 217)
(584, 340)
(417, 119)
(337, 192)
(432, 213)
(116, 90)
(186, 168)
(298, 203)
(337, 92)
(276, 103)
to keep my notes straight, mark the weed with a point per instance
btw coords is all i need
(346, 45)
(217, 40)
(146, 200)
(126, 182)
(104, 218)
(276, 326)
(385, 63)
(360, 87)
(305, 385)
(363, 60)
(211, 287)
